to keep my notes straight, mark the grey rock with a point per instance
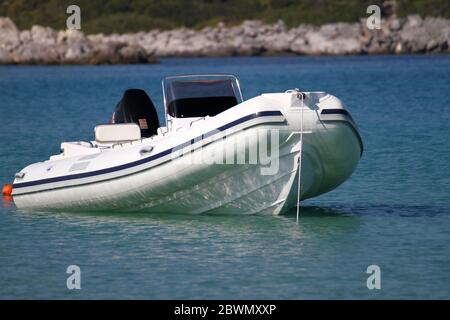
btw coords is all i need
(334, 39)
(5, 57)
(36, 53)
(278, 43)
(44, 45)
(133, 54)
(43, 35)
(414, 39)
(299, 46)
(413, 21)
(396, 24)
(9, 34)
(25, 36)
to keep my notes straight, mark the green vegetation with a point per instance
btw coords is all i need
(137, 15)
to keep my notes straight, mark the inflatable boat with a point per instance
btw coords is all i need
(216, 153)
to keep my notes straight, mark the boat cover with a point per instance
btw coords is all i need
(137, 107)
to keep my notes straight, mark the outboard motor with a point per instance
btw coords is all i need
(137, 107)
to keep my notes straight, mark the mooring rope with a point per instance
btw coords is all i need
(300, 157)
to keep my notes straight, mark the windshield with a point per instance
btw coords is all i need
(200, 96)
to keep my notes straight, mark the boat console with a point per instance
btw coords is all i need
(191, 97)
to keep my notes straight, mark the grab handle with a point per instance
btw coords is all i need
(146, 150)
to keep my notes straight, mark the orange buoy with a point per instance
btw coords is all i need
(7, 189)
(8, 200)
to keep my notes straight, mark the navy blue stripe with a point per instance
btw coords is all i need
(335, 111)
(346, 113)
(151, 158)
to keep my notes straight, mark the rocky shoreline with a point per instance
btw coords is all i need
(43, 45)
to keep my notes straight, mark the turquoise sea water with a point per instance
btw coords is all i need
(394, 211)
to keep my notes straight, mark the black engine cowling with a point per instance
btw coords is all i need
(137, 107)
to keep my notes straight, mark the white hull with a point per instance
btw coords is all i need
(106, 181)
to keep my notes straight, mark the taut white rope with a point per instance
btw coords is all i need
(300, 158)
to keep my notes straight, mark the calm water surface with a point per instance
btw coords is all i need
(394, 211)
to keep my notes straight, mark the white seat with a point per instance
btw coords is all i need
(114, 133)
